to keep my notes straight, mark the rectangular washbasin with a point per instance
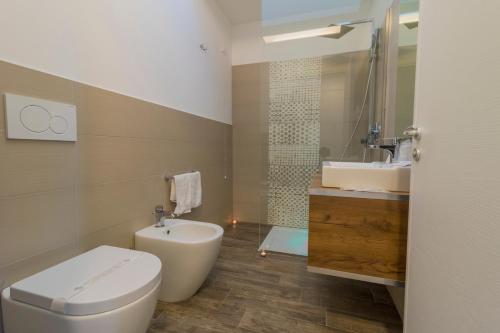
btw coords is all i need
(367, 176)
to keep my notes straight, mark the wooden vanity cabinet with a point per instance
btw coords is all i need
(359, 235)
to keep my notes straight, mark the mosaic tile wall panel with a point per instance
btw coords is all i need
(294, 139)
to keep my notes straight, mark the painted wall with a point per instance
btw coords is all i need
(145, 49)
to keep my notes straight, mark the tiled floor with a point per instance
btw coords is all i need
(249, 294)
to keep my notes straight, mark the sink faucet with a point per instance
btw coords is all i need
(161, 216)
(389, 147)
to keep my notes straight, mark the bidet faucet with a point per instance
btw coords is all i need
(161, 216)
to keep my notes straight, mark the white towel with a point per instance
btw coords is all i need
(186, 192)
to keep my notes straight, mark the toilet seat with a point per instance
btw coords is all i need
(97, 281)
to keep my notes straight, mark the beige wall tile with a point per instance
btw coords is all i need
(26, 267)
(333, 81)
(105, 205)
(216, 207)
(248, 74)
(247, 175)
(35, 223)
(247, 135)
(248, 114)
(185, 156)
(245, 155)
(104, 159)
(248, 94)
(2, 113)
(109, 114)
(120, 235)
(59, 199)
(105, 113)
(248, 212)
(29, 166)
(250, 98)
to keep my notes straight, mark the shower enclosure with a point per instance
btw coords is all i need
(308, 109)
(311, 100)
(315, 109)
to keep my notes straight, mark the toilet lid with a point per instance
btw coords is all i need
(97, 281)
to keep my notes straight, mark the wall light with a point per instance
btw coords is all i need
(302, 34)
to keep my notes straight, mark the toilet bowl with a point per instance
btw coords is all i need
(188, 251)
(107, 289)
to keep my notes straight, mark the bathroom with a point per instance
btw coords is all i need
(249, 166)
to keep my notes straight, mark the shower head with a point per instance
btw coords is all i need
(344, 29)
(411, 25)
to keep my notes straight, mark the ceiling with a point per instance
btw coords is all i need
(245, 11)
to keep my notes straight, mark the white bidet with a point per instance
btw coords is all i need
(187, 249)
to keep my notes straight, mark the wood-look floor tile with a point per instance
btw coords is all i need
(246, 293)
(353, 324)
(267, 322)
(364, 309)
(285, 308)
(243, 272)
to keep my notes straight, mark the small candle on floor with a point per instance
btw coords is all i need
(235, 222)
(263, 253)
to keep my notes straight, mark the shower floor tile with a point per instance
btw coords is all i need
(286, 240)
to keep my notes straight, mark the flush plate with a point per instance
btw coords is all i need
(37, 119)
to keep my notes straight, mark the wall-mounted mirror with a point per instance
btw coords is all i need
(395, 109)
(406, 65)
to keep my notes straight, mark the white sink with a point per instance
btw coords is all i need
(367, 176)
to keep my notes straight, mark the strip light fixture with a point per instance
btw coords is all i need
(302, 34)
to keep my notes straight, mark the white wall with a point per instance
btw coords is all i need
(147, 49)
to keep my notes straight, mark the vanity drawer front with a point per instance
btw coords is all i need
(359, 236)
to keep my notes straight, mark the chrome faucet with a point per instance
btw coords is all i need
(389, 145)
(161, 216)
(373, 134)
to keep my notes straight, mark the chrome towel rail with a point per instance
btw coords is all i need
(167, 178)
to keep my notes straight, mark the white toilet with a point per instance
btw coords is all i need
(107, 289)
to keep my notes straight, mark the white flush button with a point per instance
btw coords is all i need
(35, 118)
(58, 125)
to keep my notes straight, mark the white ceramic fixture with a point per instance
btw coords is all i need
(107, 289)
(367, 176)
(188, 250)
(38, 119)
